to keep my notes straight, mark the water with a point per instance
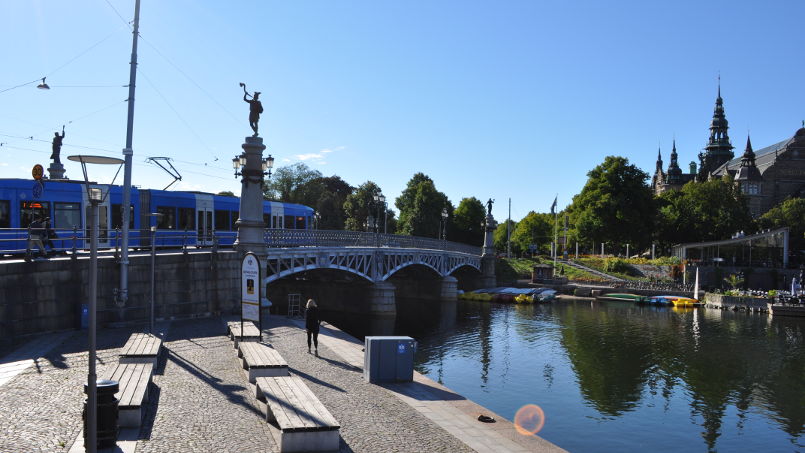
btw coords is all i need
(614, 376)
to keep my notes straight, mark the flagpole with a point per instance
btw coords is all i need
(555, 232)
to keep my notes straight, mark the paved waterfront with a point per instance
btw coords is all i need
(202, 401)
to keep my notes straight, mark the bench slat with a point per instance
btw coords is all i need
(141, 344)
(261, 355)
(311, 404)
(275, 399)
(294, 405)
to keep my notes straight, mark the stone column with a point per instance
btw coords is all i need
(381, 299)
(488, 279)
(56, 171)
(449, 288)
(250, 224)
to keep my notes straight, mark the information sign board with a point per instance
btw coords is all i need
(250, 287)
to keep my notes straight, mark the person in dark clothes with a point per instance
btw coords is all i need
(312, 322)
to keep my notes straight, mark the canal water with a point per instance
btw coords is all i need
(614, 376)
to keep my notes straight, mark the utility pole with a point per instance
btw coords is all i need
(123, 294)
(509, 232)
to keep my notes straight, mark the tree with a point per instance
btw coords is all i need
(790, 213)
(330, 202)
(615, 205)
(226, 193)
(701, 211)
(468, 219)
(420, 207)
(499, 237)
(534, 229)
(360, 205)
(293, 184)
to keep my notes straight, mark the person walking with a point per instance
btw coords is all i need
(312, 322)
(37, 232)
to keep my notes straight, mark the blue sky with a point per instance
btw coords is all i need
(496, 99)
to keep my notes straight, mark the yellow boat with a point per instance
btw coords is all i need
(685, 302)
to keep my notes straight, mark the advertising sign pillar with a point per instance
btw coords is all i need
(250, 290)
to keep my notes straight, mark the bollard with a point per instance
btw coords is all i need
(107, 413)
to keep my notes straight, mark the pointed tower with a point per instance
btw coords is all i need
(674, 172)
(748, 170)
(718, 149)
(658, 180)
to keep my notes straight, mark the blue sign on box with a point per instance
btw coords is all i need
(401, 348)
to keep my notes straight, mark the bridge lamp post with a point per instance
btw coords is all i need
(380, 200)
(444, 224)
(95, 197)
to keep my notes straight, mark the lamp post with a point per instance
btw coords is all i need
(316, 218)
(380, 200)
(444, 224)
(95, 197)
(158, 216)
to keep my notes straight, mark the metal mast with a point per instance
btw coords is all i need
(123, 294)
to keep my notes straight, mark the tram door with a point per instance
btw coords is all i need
(204, 219)
(103, 217)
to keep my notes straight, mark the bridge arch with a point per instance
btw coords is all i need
(401, 266)
(289, 272)
(458, 266)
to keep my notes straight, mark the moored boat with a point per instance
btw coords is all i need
(685, 302)
(623, 297)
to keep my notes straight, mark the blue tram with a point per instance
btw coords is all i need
(187, 218)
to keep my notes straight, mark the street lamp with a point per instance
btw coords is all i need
(266, 165)
(95, 196)
(158, 216)
(380, 200)
(444, 224)
(316, 219)
(43, 85)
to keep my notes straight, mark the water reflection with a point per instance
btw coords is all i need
(631, 377)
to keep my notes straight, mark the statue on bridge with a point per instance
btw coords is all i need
(489, 206)
(57, 142)
(255, 108)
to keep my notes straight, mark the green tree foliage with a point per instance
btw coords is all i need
(534, 229)
(791, 214)
(226, 193)
(706, 211)
(615, 205)
(468, 221)
(333, 192)
(420, 207)
(499, 237)
(294, 184)
(359, 205)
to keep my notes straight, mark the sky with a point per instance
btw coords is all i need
(491, 99)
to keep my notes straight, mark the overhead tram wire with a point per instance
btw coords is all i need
(181, 118)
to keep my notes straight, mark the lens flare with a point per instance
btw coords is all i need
(529, 420)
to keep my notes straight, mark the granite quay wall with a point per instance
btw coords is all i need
(736, 303)
(47, 296)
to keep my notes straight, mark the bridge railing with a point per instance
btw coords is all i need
(336, 238)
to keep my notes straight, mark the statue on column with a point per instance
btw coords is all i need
(489, 206)
(255, 108)
(57, 142)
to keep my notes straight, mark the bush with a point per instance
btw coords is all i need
(618, 265)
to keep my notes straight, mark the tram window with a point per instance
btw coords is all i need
(117, 216)
(30, 210)
(66, 215)
(222, 220)
(289, 221)
(235, 217)
(5, 214)
(187, 218)
(300, 223)
(167, 221)
(267, 219)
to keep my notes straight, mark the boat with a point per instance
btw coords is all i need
(661, 300)
(623, 297)
(685, 302)
(511, 295)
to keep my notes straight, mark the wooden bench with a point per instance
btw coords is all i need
(250, 332)
(141, 348)
(133, 380)
(261, 360)
(303, 421)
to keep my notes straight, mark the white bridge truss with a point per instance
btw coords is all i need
(372, 263)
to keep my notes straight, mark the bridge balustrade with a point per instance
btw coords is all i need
(282, 238)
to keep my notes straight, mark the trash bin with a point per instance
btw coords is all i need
(107, 413)
(388, 359)
(83, 316)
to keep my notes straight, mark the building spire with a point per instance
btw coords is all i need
(718, 149)
(674, 172)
